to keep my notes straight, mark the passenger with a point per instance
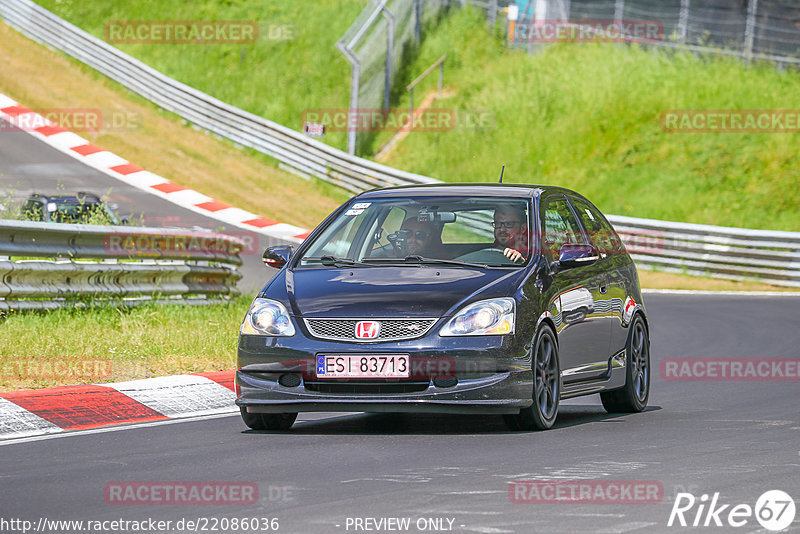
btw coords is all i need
(511, 231)
(424, 239)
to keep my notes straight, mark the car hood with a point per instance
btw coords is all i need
(406, 291)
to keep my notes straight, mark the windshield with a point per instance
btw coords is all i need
(81, 212)
(480, 231)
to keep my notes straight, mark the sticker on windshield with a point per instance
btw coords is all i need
(589, 213)
(361, 205)
(354, 212)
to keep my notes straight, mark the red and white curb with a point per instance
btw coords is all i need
(125, 171)
(36, 412)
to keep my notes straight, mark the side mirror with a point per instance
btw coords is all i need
(277, 256)
(574, 255)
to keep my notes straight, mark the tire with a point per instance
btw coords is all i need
(267, 421)
(633, 396)
(546, 385)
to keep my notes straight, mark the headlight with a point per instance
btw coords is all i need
(267, 317)
(494, 316)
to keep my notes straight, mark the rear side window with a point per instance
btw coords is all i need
(33, 210)
(560, 226)
(600, 232)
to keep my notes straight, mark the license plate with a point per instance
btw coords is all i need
(363, 366)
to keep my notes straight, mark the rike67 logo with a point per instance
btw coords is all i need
(774, 510)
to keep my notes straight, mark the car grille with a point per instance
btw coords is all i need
(366, 387)
(391, 329)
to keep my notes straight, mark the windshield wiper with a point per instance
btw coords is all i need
(332, 261)
(415, 259)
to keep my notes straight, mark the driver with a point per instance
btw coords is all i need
(510, 231)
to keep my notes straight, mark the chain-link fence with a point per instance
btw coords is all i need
(375, 45)
(752, 29)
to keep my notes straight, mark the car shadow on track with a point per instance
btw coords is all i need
(433, 424)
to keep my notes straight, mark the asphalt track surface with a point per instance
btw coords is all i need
(28, 165)
(736, 438)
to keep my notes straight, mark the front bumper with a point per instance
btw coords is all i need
(493, 376)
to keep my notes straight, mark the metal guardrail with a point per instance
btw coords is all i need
(46, 265)
(731, 253)
(717, 251)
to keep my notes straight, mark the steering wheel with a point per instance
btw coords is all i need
(485, 255)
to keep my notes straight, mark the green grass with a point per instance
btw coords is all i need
(277, 79)
(74, 346)
(586, 116)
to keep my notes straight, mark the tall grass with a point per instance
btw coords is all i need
(587, 116)
(102, 344)
(277, 79)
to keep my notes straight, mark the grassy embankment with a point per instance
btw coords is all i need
(587, 117)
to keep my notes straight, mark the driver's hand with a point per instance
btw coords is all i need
(513, 255)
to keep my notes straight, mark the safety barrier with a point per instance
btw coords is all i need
(46, 265)
(717, 251)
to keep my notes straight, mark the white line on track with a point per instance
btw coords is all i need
(712, 293)
(133, 426)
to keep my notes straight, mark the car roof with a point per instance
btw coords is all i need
(465, 189)
(77, 197)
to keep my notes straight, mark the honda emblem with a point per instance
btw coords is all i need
(367, 329)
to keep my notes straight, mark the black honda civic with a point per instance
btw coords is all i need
(469, 298)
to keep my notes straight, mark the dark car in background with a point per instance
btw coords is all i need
(80, 208)
(481, 298)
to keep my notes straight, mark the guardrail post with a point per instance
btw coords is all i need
(750, 29)
(683, 21)
(538, 18)
(387, 83)
(618, 13)
(492, 14)
(355, 73)
(417, 20)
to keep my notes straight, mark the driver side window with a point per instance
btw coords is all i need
(390, 224)
(560, 227)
